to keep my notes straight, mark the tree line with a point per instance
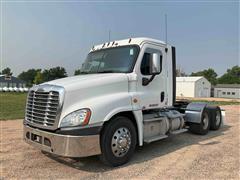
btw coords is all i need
(231, 76)
(38, 76)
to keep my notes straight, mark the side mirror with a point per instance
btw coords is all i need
(155, 64)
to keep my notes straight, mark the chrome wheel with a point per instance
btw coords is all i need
(218, 118)
(121, 142)
(205, 121)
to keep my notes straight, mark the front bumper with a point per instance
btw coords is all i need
(63, 145)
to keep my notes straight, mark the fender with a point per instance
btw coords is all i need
(194, 112)
(139, 120)
(103, 107)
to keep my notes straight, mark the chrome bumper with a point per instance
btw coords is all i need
(63, 145)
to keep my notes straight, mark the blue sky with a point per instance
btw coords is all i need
(46, 34)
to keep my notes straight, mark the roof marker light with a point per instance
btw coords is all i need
(113, 43)
(129, 40)
(108, 44)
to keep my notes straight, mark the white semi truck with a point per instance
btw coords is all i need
(125, 97)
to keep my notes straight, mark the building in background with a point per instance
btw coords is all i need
(227, 91)
(11, 82)
(194, 86)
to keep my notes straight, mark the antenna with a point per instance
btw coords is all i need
(1, 36)
(166, 29)
(109, 35)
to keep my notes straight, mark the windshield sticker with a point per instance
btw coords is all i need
(131, 52)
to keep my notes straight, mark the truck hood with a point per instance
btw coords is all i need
(98, 92)
(89, 80)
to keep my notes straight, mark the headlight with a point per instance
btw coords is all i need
(76, 118)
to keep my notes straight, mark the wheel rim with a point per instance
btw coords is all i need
(121, 142)
(205, 121)
(218, 118)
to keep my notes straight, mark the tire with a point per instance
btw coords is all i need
(216, 117)
(204, 125)
(113, 133)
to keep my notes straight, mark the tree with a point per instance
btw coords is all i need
(7, 71)
(180, 71)
(209, 74)
(232, 76)
(77, 72)
(54, 73)
(29, 76)
(38, 78)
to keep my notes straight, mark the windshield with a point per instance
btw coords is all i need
(112, 60)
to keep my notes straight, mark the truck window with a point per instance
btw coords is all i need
(145, 65)
(111, 60)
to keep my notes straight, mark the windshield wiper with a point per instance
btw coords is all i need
(107, 71)
(84, 72)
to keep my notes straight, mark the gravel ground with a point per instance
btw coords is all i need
(184, 156)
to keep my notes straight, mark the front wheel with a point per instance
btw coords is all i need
(118, 141)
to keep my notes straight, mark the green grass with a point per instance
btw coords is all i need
(12, 105)
(218, 103)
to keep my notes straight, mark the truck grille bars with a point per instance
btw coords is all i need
(43, 106)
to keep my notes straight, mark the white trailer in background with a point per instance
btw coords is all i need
(16, 89)
(21, 89)
(25, 89)
(193, 87)
(11, 89)
(5, 89)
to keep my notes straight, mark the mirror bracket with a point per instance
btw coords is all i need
(146, 81)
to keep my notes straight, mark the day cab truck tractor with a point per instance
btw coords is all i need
(124, 97)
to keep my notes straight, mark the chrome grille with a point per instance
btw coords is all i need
(43, 106)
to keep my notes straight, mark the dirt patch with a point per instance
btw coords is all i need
(184, 156)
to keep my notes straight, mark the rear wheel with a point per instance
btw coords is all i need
(204, 125)
(118, 141)
(216, 119)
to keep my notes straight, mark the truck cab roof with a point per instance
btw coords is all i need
(130, 41)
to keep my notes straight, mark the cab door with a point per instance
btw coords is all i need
(153, 94)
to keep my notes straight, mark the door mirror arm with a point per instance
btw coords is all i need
(155, 68)
(146, 81)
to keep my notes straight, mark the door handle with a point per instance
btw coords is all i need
(162, 96)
